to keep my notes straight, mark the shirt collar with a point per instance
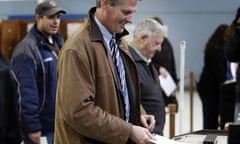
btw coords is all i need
(148, 61)
(106, 34)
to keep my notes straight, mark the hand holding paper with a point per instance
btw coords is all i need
(167, 83)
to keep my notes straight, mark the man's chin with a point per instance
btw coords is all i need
(120, 30)
(53, 32)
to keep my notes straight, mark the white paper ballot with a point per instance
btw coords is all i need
(164, 140)
(167, 83)
(43, 140)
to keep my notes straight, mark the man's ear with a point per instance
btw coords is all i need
(37, 17)
(144, 38)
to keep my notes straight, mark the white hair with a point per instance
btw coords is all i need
(147, 26)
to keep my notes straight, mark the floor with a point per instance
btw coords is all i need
(182, 117)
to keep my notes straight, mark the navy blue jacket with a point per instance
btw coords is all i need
(35, 66)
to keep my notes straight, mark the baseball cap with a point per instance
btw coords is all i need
(49, 8)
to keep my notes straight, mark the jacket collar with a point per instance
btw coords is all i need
(42, 40)
(138, 56)
(96, 35)
(95, 32)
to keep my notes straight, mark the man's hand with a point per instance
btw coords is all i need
(148, 121)
(35, 137)
(140, 135)
(163, 71)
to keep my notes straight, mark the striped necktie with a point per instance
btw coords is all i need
(118, 62)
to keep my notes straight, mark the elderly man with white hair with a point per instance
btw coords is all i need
(147, 38)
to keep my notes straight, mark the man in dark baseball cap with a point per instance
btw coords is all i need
(48, 8)
(34, 61)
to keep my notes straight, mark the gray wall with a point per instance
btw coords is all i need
(190, 20)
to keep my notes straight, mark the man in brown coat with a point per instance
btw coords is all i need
(90, 105)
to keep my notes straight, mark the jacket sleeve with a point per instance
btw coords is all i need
(232, 47)
(25, 70)
(218, 64)
(10, 131)
(13, 121)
